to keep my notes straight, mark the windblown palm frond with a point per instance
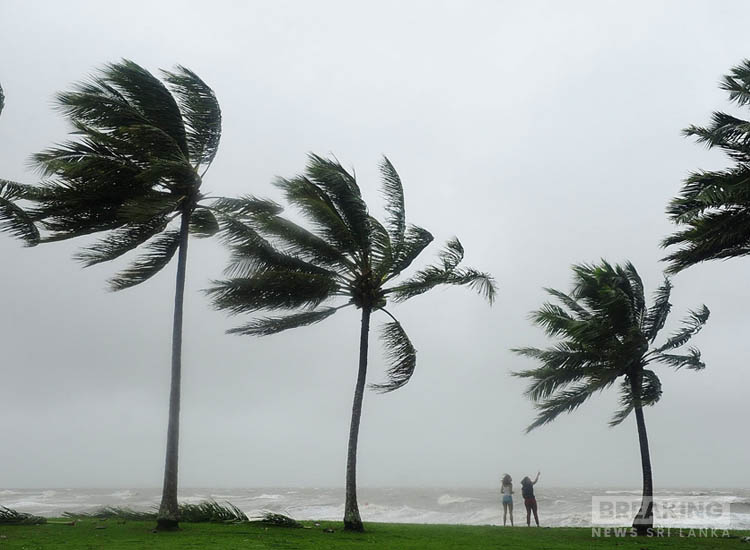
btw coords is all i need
(401, 355)
(713, 207)
(14, 219)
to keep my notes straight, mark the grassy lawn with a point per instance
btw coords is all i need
(119, 535)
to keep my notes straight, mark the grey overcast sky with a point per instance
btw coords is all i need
(541, 133)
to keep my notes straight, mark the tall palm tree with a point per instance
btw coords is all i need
(14, 219)
(346, 255)
(133, 172)
(606, 334)
(713, 208)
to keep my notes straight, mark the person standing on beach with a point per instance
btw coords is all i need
(527, 490)
(507, 491)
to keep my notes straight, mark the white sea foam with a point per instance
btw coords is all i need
(444, 500)
(124, 494)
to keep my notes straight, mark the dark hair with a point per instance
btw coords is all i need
(526, 481)
(506, 479)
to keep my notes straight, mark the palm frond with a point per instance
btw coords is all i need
(112, 512)
(738, 83)
(381, 250)
(266, 326)
(143, 92)
(251, 253)
(626, 404)
(707, 190)
(274, 519)
(201, 114)
(569, 302)
(393, 192)
(341, 188)
(296, 240)
(320, 210)
(149, 205)
(567, 400)
(14, 219)
(203, 223)
(713, 235)
(416, 239)
(690, 361)
(428, 278)
(401, 355)
(160, 251)
(658, 313)
(650, 394)
(690, 327)
(120, 241)
(210, 511)
(247, 205)
(561, 366)
(9, 516)
(273, 289)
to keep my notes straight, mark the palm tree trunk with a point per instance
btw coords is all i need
(352, 521)
(644, 519)
(168, 516)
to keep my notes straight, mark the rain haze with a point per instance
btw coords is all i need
(542, 134)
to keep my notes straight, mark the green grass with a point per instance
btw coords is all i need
(90, 534)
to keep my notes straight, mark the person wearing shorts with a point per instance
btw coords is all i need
(506, 489)
(529, 500)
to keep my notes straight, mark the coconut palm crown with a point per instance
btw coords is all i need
(606, 336)
(132, 172)
(346, 255)
(713, 207)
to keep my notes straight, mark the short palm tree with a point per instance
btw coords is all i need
(606, 335)
(713, 208)
(346, 255)
(14, 219)
(133, 172)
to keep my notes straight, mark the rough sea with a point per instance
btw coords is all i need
(557, 507)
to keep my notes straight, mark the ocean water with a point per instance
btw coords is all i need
(557, 506)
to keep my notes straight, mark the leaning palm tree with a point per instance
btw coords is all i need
(347, 255)
(606, 334)
(713, 208)
(14, 219)
(133, 172)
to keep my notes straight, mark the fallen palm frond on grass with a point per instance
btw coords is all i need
(208, 511)
(11, 517)
(278, 520)
(112, 512)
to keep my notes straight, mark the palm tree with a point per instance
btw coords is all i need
(14, 219)
(133, 172)
(606, 333)
(713, 207)
(347, 255)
